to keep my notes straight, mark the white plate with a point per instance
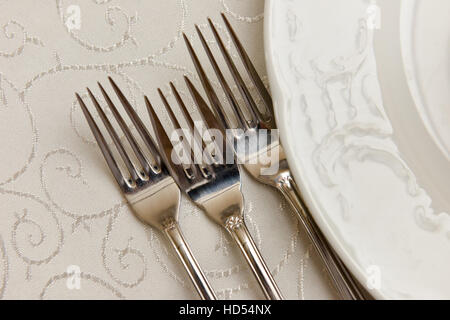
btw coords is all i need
(362, 102)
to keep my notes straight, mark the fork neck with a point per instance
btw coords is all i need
(224, 204)
(157, 205)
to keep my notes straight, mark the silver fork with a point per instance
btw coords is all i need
(147, 185)
(212, 185)
(251, 126)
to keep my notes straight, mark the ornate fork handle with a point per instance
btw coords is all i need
(341, 277)
(196, 275)
(238, 230)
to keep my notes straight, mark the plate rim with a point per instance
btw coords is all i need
(279, 101)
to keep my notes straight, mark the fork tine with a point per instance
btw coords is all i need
(208, 117)
(141, 128)
(176, 124)
(192, 128)
(212, 96)
(166, 148)
(126, 131)
(245, 93)
(183, 108)
(114, 137)
(169, 110)
(195, 136)
(226, 88)
(253, 74)
(112, 164)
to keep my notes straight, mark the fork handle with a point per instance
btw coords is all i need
(340, 276)
(189, 262)
(242, 236)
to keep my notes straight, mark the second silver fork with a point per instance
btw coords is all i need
(211, 183)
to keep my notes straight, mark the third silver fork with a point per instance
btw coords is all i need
(251, 126)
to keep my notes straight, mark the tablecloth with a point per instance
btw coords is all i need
(60, 209)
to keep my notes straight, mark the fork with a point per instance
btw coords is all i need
(252, 126)
(211, 184)
(147, 185)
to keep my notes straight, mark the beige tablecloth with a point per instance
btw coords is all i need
(60, 210)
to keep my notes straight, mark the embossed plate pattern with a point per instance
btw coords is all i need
(373, 176)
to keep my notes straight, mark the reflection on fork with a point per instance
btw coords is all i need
(147, 185)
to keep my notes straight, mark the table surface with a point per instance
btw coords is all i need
(60, 208)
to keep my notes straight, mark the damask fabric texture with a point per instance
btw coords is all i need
(61, 212)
